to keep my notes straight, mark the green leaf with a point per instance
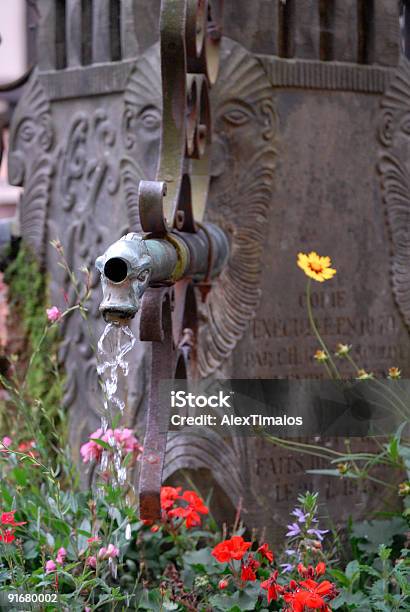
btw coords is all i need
(393, 449)
(352, 570)
(349, 599)
(202, 560)
(83, 533)
(20, 475)
(7, 498)
(374, 533)
(340, 577)
(30, 549)
(61, 526)
(50, 540)
(53, 506)
(331, 473)
(102, 443)
(240, 601)
(150, 600)
(116, 420)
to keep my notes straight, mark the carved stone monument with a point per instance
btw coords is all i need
(310, 113)
(85, 132)
(309, 153)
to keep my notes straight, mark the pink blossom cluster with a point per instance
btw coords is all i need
(92, 451)
(53, 314)
(51, 565)
(103, 554)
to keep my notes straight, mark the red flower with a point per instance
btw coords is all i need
(192, 518)
(235, 548)
(247, 574)
(168, 496)
(195, 502)
(266, 552)
(191, 512)
(223, 584)
(312, 597)
(248, 571)
(302, 570)
(273, 589)
(7, 536)
(26, 447)
(320, 569)
(7, 518)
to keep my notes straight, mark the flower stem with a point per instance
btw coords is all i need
(335, 373)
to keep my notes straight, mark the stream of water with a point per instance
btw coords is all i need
(113, 347)
(115, 343)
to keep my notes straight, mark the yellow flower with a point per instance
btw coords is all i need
(320, 355)
(343, 468)
(342, 349)
(315, 266)
(404, 488)
(363, 375)
(394, 373)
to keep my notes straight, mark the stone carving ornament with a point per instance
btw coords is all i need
(31, 163)
(242, 174)
(242, 167)
(395, 180)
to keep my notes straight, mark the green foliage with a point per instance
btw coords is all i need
(383, 585)
(41, 382)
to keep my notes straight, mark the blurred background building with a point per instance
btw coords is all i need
(17, 54)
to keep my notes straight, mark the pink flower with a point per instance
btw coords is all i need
(50, 566)
(61, 555)
(91, 451)
(123, 438)
(110, 552)
(93, 540)
(53, 314)
(5, 444)
(92, 562)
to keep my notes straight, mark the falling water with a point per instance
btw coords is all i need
(115, 343)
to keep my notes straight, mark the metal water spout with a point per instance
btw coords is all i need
(136, 262)
(155, 271)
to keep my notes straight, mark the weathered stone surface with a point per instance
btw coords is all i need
(320, 191)
(83, 136)
(295, 168)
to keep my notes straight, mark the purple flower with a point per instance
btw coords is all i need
(318, 533)
(290, 552)
(301, 516)
(294, 530)
(287, 567)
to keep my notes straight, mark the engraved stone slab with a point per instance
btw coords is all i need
(295, 168)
